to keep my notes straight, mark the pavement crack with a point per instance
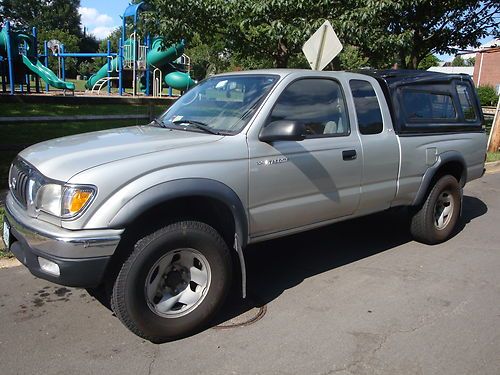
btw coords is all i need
(153, 360)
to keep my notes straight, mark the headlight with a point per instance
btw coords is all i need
(48, 199)
(63, 201)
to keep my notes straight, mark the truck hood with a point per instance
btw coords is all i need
(62, 158)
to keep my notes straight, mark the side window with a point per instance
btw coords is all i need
(466, 102)
(422, 105)
(318, 103)
(367, 107)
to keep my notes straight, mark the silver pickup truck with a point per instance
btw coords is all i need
(156, 217)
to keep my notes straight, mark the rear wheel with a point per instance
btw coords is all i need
(173, 282)
(437, 218)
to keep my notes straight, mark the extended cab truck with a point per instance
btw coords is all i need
(147, 215)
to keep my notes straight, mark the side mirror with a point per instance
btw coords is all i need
(283, 130)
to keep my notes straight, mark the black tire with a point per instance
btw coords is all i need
(424, 227)
(129, 300)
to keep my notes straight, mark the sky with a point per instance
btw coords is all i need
(101, 17)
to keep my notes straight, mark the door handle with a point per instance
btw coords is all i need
(349, 154)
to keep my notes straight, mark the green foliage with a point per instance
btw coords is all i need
(176, 19)
(87, 68)
(71, 44)
(54, 19)
(88, 43)
(43, 14)
(487, 95)
(207, 59)
(267, 33)
(493, 156)
(406, 31)
(351, 58)
(458, 61)
(279, 28)
(428, 62)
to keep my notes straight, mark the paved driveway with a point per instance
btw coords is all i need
(358, 297)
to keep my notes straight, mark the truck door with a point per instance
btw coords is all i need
(298, 183)
(380, 146)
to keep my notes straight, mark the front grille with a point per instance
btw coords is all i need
(19, 179)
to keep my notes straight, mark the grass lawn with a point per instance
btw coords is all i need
(3, 253)
(79, 84)
(21, 109)
(493, 156)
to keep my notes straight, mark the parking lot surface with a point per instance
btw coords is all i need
(358, 297)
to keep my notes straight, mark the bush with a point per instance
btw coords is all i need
(487, 96)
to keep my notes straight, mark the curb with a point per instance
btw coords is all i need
(492, 166)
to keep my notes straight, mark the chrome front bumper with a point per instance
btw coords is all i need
(82, 255)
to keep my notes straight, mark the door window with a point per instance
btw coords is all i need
(318, 103)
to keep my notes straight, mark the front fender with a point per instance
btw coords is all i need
(181, 188)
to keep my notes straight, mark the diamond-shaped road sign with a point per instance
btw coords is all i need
(322, 47)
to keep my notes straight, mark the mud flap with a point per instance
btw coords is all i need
(461, 202)
(239, 250)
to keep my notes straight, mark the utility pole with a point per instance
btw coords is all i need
(494, 139)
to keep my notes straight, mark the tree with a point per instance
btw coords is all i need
(428, 62)
(176, 19)
(279, 28)
(70, 42)
(264, 32)
(458, 61)
(409, 30)
(471, 61)
(253, 30)
(351, 58)
(207, 59)
(43, 14)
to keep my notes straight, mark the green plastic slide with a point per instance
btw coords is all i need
(29, 61)
(47, 75)
(159, 56)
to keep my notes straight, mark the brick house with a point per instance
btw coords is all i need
(487, 67)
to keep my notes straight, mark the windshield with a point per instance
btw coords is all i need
(223, 104)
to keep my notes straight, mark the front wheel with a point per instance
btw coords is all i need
(437, 218)
(173, 282)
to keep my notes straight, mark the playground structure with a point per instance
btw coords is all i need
(19, 54)
(147, 64)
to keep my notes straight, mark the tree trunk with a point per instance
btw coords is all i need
(281, 61)
(282, 56)
(402, 60)
(413, 63)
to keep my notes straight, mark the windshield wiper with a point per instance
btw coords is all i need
(198, 125)
(158, 122)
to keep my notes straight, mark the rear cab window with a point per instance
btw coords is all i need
(465, 98)
(437, 107)
(422, 105)
(367, 107)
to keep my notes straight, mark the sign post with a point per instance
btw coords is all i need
(494, 139)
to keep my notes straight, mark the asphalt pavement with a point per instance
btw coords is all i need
(359, 297)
